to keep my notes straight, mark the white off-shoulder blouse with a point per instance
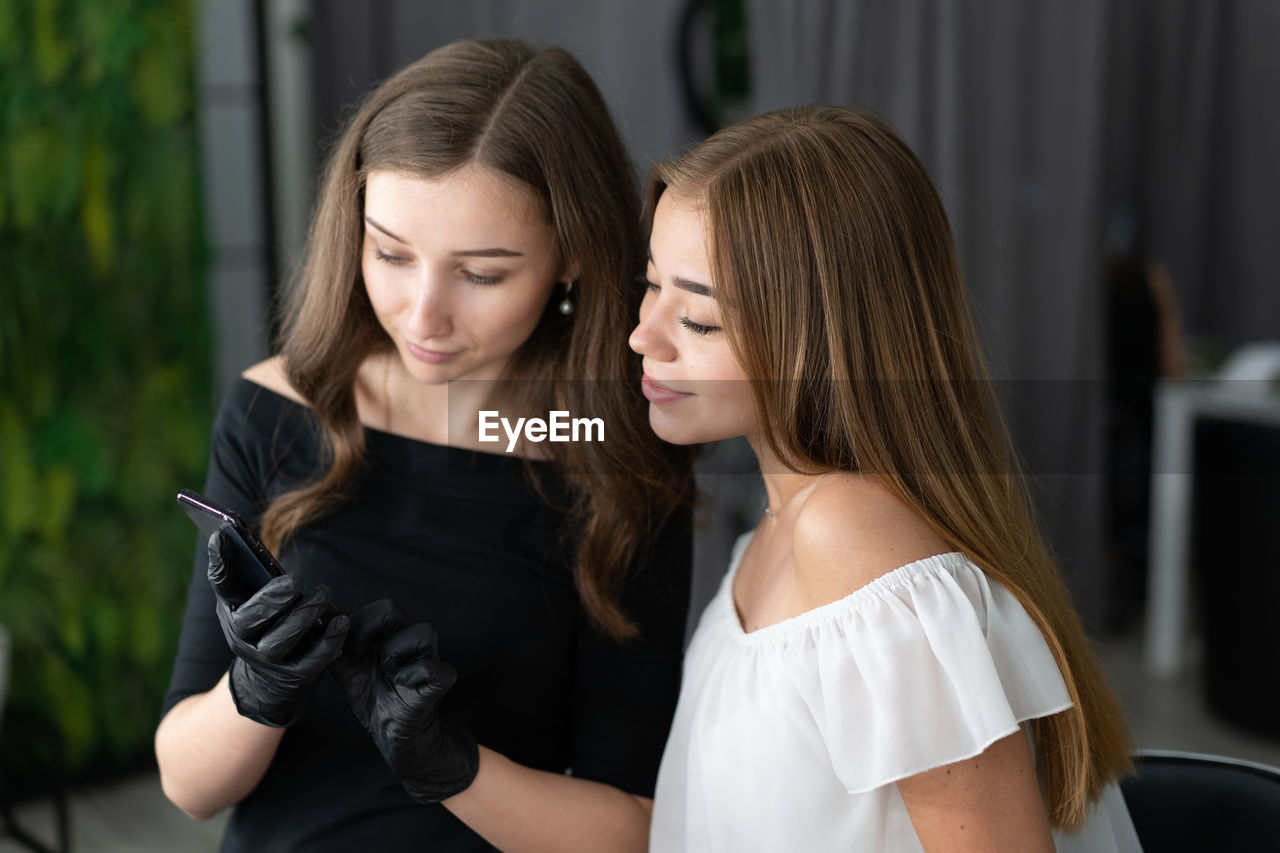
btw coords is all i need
(790, 738)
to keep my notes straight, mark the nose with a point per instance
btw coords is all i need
(647, 338)
(430, 315)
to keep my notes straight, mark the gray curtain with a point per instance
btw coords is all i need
(1195, 134)
(629, 48)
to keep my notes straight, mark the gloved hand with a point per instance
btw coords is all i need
(283, 638)
(393, 679)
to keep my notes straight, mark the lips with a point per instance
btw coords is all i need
(430, 356)
(655, 392)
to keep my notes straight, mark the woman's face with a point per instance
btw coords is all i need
(458, 268)
(696, 389)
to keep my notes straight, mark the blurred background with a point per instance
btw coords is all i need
(1110, 171)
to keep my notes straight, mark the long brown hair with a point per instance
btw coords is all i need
(843, 300)
(536, 115)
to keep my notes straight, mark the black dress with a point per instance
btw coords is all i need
(459, 539)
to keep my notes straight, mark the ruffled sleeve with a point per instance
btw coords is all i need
(925, 666)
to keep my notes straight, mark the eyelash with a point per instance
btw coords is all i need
(396, 260)
(697, 328)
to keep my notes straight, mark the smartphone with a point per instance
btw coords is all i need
(258, 565)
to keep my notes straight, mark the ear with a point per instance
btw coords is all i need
(571, 272)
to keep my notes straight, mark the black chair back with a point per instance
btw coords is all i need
(1182, 801)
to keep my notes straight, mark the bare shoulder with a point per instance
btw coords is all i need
(270, 374)
(851, 530)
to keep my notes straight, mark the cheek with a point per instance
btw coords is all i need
(712, 360)
(507, 314)
(381, 295)
(727, 394)
(734, 406)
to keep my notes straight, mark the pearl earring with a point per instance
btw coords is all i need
(566, 304)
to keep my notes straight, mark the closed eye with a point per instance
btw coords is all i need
(394, 260)
(476, 278)
(698, 328)
(648, 285)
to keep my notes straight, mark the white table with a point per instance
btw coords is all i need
(1178, 403)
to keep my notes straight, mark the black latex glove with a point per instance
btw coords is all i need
(283, 638)
(393, 679)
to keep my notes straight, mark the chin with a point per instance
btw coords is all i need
(675, 430)
(464, 366)
(430, 374)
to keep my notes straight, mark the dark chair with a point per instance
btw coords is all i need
(1185, 801)
(9, 826)
(1235, 553)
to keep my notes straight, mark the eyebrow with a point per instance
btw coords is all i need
(689, 284)
(495, 252)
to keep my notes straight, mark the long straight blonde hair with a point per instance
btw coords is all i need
(533, 114)
(843, 301)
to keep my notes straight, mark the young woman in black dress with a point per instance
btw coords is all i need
(474, 248)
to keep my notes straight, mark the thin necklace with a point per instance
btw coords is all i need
(768, 513)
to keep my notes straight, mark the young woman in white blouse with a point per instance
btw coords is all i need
(892, 661)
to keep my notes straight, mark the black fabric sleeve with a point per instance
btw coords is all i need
(234, 480)
(625, 693)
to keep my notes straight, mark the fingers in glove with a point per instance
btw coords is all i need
(252, 619)
(428, 677)
(372, 623)
(327, 649)
(295, 622)
(407, 645)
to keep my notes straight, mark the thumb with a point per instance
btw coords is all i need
(224, 581)
(428, 677)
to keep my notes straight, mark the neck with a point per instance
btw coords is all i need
(781, 484)
(445, 413)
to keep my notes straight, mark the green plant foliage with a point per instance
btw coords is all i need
(104, 372)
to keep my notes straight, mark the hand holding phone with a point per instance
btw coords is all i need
(283, 635)
(251, 563)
